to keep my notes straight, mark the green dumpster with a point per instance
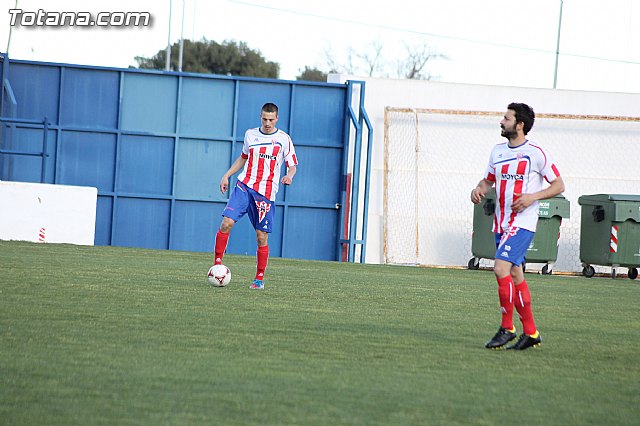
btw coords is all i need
(483, 242)
(610, 232)
(543, 248)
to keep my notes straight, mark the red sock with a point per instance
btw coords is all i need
(222, 238)
(505, 294)
(523, 305)
(263, 258)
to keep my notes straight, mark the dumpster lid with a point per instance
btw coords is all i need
(624, 197)
(611, 197)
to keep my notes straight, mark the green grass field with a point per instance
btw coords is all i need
(109, 335)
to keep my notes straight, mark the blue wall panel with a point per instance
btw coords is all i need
(149, 103)
(142, 223)
(21, 167)
(206, 107)
(87, 159)
(252, 95)
(90, 98)
(195, 225)
(146, 165)
(36, 89)
(199, 168)
(319, 115)
(311, 233)
(156, 145)
(319, 180)
(104, 210)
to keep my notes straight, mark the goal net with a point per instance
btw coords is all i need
(434, 158)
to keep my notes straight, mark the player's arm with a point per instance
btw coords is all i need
(235, 167)
(524, 200)
(480, 190)
(288, 178)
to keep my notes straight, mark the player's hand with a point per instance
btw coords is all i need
(477, 194)
(224, 184)
(522, 202)
(286, 180)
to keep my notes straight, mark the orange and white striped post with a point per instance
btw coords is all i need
(613, 244)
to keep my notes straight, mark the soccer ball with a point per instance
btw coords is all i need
(219, 276)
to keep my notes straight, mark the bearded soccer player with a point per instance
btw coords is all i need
(517, 168)
(265, 149)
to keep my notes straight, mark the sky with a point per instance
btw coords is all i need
(495, 42)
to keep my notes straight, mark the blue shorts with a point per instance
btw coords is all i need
(245, 200)
(512, 245)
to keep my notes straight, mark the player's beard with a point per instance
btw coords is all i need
(509, 133)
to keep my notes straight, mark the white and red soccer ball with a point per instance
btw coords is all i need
(219, 276)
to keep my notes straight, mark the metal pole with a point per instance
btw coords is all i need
(555, 71)
(10, 31)
(193, 22)
(181, 39)
(45, 132)
(367, 177)
(167, 65)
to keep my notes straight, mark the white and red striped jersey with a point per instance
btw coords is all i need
(265, 155)
(518, 170)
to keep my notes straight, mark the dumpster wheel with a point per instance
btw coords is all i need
(474, 263)
(588, 271)
(633, 273)
(546, 270)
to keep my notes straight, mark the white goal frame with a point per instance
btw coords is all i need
(595, 154)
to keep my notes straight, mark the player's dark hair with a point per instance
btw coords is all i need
(270, 107)
(524, 114)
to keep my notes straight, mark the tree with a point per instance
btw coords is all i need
(413, 66)
(370, 61)
(371, 58)
(312, 74)
(207, 56)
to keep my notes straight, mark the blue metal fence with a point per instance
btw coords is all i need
(156, 144)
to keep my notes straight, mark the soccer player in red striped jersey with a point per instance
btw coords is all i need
(517, 168)
(264, 151)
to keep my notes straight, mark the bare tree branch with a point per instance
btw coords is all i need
(372, 57)
(413, 67)
(371, 61)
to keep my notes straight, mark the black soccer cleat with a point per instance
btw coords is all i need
(502, 337)
(525, 342)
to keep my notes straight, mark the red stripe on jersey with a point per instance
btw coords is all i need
(272, 169)
(503, 191)
(555, 172)
(491, 177)
(260, 171)
(517, 188)
(543, 154)
(295, 161)
(249, 167)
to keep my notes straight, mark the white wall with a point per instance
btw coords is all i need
(381, 93)
(47, 213)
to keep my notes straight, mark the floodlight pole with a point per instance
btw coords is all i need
(10, 31)
(555, 71)
(167, 65)
(181, 39)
